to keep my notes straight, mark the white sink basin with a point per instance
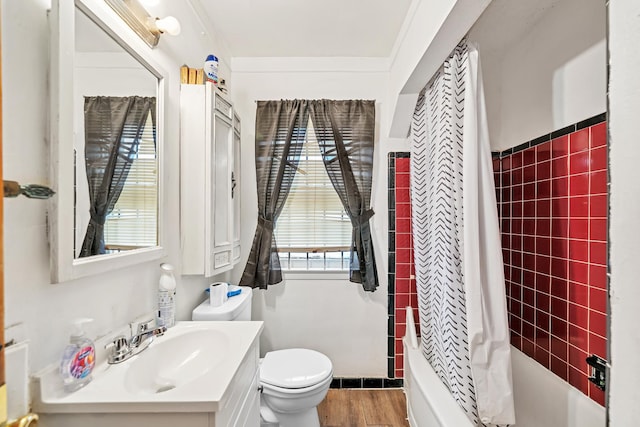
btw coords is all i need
(188, 369)
(169, 363)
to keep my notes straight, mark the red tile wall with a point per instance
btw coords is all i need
(553, 213)
(405, 283)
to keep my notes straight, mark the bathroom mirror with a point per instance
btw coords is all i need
(107, 117)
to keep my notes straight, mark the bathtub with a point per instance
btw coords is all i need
(429, 403)
(541, 398)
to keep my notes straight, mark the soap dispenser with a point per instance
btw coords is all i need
(78, 358)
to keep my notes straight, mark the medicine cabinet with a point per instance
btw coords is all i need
(209, 181)
(97, 59)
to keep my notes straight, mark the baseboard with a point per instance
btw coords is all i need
(367, 383)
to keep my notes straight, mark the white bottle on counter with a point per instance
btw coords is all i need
(166, 296)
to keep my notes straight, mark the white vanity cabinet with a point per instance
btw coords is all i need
(241, 404)
(239, 407)
(209, 181)
(215, 385)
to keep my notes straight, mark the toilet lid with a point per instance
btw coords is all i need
(294, 368)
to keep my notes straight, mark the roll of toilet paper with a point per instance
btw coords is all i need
(218, 293)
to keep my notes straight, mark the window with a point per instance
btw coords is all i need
(313, 232)
(345, 129)
(133, 222)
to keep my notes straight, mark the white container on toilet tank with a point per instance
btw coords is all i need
(235, 308)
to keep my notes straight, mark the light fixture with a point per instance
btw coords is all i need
(169, 25)
(139, 20)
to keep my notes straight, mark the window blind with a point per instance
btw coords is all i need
(313, 219)
(133, 223)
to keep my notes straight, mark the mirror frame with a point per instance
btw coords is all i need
(63, 265)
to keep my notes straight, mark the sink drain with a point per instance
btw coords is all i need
(164, 388)
(164, 384)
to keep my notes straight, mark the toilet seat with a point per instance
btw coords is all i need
(294, 369)
(282, 391)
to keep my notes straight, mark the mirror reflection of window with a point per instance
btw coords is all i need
(133, 222)
(114, 128)
(104, 69)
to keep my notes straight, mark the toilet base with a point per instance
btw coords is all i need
(307, 418)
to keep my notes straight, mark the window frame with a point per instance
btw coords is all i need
(308, 273)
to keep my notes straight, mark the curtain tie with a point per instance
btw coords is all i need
(98, 219)
(265, 223)
(358, 221)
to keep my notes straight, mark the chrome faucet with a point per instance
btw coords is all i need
(122, 349)
(145, 334)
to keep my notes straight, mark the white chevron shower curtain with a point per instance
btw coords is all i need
(457, 248)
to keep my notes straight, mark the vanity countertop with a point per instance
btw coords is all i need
(188, 369)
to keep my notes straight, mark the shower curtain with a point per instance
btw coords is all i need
(457, 248)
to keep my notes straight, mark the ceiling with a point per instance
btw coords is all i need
(349, 28)
(308, 28)
(513, 18)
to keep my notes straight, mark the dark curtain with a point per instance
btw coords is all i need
(113, 127)
(345, 132)
(281, 128)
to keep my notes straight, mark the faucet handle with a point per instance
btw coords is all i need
(145, 325)
(118, 343)
(119, 349)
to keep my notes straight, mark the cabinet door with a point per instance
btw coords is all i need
(236, 189)
(194, 192)
(219, 206)
(249, 416)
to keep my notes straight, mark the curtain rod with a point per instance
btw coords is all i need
(317, 99)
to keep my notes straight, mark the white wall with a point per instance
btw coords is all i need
(420, 28)
(624, 229)
(553, 77)
(429, 34)
(333, 316)
(115, 298)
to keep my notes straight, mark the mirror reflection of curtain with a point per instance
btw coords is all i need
(113, 128)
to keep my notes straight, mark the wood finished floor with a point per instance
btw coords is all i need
(363, 408)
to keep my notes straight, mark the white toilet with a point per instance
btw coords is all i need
(294, 381)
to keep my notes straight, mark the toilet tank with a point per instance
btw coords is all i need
(235, 308)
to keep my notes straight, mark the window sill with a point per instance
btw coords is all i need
(315, 275)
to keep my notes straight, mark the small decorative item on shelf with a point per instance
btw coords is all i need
(184, 74)
(192, 76)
